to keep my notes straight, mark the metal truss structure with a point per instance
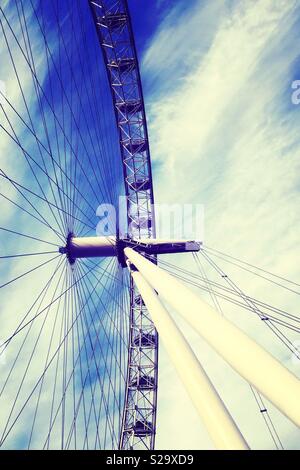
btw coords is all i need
(115, 35)
(81, 314)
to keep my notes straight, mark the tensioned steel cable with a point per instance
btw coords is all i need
(251, 265)
(223, 292)
(70, 325)
(280, 335)
(256, 394)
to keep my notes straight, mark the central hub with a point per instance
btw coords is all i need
(104, 247)
(89, 247)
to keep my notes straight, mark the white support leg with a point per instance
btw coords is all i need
(249, 359)
(219, 423)
(91, 247)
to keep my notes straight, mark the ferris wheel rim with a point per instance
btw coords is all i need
(110, 17)
(64, 225)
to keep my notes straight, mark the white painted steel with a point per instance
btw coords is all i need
(91, 247)
(249, 359)
(159, 241)
(223, 431)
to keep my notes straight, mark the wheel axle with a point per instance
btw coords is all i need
(103, 247)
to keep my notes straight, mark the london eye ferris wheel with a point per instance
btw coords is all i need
(79, 341)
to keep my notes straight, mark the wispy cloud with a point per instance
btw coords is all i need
(224, 133)
(36, 380)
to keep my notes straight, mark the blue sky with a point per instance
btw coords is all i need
(52, 111)
(223, 133)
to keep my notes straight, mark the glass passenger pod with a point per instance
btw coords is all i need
(114, 21)
(144, 382)
(125, 64)
(142, 428)
(145, 340)
(129, 107)
(135, 146)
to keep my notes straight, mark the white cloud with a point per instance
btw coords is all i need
(221, 137)
(224, 133)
